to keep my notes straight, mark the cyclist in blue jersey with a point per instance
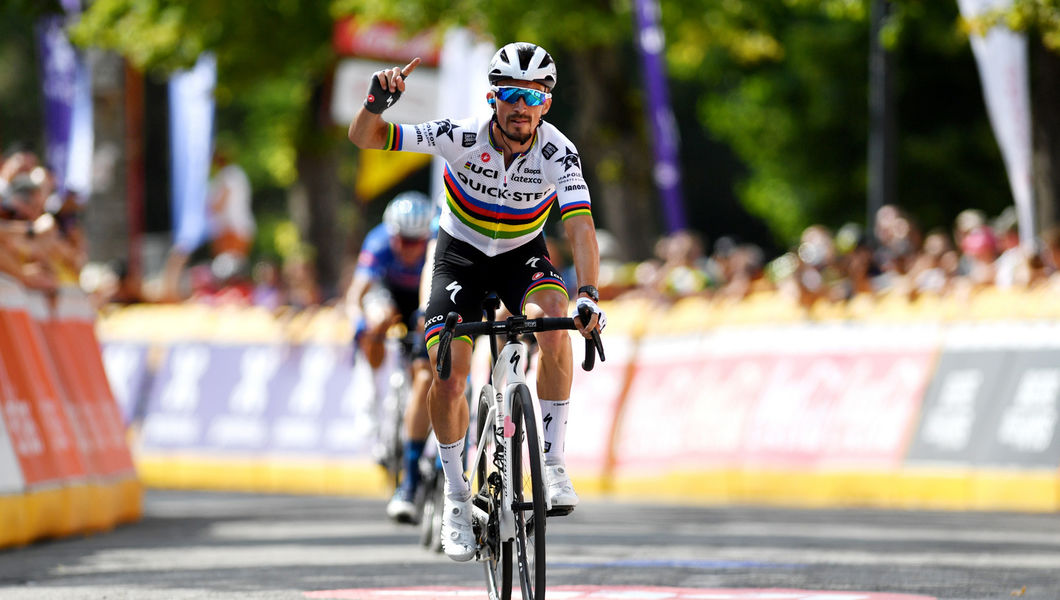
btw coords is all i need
(385, 291)
(502, 176)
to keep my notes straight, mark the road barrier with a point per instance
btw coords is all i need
(65, 467)
(697, 402)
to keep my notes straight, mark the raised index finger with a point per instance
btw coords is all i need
(409, 68)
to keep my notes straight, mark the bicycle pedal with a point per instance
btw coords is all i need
(560, 511)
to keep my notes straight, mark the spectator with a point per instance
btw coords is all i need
(267, 290)
(1012, 267)
(232, 224)
(979, 249)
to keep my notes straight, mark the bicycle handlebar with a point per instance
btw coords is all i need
(510, 328)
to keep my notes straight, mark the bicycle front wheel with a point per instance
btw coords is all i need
(529, 486)
(487, 495)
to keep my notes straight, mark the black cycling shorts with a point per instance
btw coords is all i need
(464, 276)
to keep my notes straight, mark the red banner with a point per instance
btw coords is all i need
(691, 405)
(383, 41)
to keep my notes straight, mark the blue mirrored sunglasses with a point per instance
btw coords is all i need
(511, 95)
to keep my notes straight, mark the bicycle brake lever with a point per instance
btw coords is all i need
(599, 343)
(445, 340)
(593, 344)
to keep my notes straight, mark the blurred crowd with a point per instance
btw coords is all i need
(898, 259)
(43, 246)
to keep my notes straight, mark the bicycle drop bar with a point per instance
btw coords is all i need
(511, 328)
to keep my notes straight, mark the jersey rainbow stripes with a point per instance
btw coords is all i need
(493, 208)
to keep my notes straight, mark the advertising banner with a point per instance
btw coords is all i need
(594, 408)
(1023, 430)
(960, 407)
(128, 375)
(770, 410)
(20, 440)
(255, 399)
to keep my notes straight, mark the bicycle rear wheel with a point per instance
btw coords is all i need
(529, 488)
(486, 492)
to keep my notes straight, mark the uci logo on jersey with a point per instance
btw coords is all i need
(491, 173)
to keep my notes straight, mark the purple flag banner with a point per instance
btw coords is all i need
(667, 172)
(59, 66)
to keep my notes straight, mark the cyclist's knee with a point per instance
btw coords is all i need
(449, 389)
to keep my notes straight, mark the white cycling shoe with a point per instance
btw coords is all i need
(402, 507)
(559, 488)
(458, 534)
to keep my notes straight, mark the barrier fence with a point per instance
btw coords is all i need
(65, 466)
(894, 411)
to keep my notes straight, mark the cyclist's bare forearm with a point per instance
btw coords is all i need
(584, 249)
(368, 130)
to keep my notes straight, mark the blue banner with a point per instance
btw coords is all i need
(191, 108)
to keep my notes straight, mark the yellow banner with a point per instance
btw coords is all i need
(379, 171)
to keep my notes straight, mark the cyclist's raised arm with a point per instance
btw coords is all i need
(368, 129)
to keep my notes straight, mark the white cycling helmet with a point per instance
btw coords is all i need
(409, 215)
(524, 61)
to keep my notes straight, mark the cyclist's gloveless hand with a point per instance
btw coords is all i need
(598, 320)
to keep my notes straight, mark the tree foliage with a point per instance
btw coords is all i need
(270, 55)
(781, 85)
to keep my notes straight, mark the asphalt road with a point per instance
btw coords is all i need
(218, 546)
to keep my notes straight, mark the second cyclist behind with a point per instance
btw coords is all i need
(385, 291)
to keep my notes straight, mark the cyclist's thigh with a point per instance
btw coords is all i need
(524, 271)
(456, 285)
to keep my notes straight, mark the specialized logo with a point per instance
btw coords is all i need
(519, 167)
(532, 263)
(469, 139)
(548, 150)
(453, 287)
(389, 100)
(446, 128)
(547, 420)
(569, 160)
(515, 369)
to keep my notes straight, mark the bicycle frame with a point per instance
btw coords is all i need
(507, 374)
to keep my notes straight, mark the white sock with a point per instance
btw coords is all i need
(554, 420)
(452, 456)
